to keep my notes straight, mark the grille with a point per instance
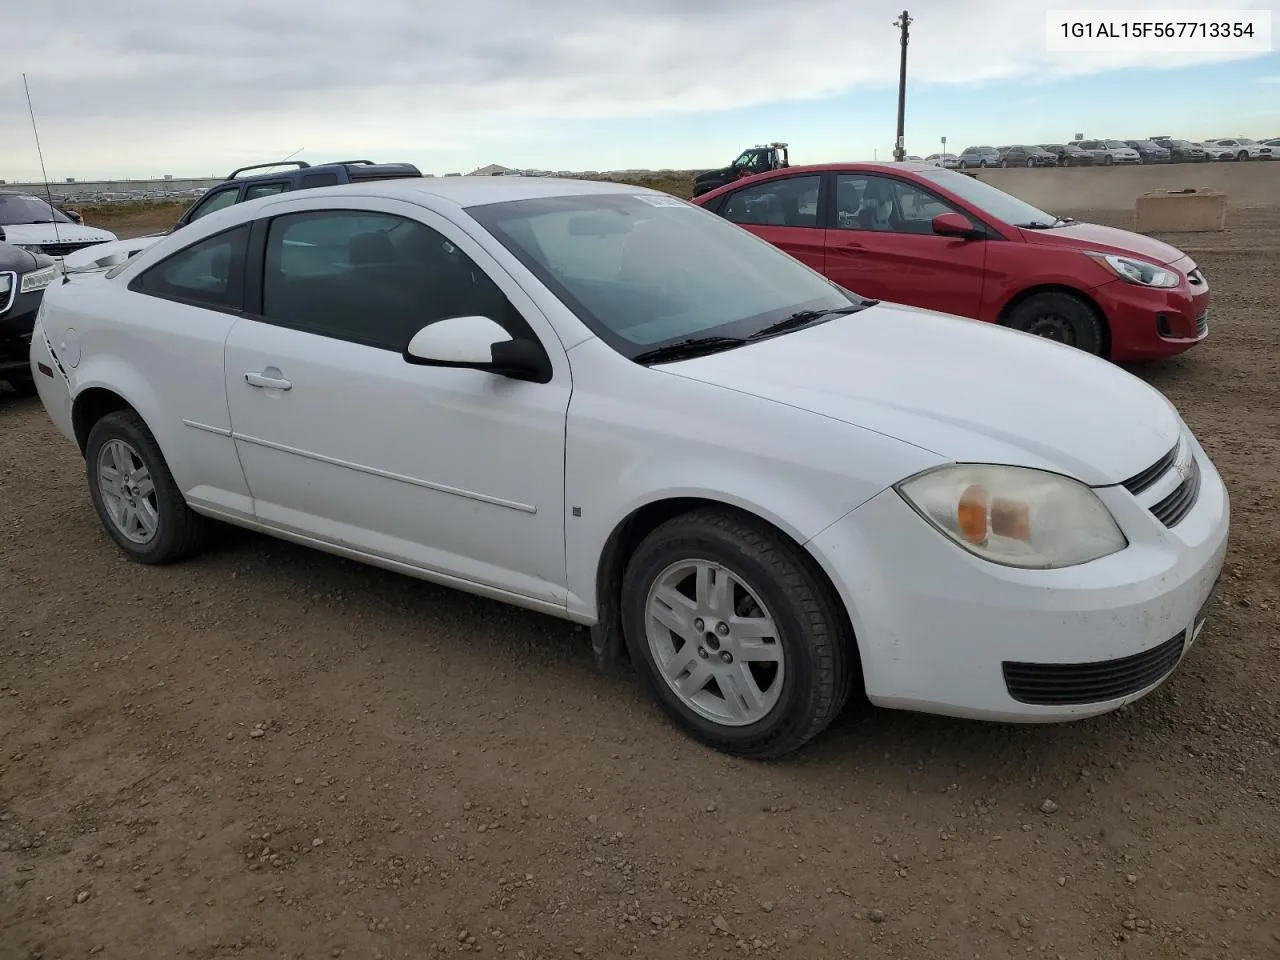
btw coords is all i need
(1202, 323)
(7, 298)
(1141, 481)
(62, 249)
(1171, 510)
(1056, 684)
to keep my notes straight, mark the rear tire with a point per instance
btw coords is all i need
(1108, 160)
(737, 636)
(1061, 317)
(134, 494)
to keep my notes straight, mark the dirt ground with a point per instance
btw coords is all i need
(268, 752)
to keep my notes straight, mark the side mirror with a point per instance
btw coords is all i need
(956, 225)
(478, 343)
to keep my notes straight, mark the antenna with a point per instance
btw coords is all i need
(48, 191)
(295, 153)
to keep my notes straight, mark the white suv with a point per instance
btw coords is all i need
(1242, 148)
(612, 406)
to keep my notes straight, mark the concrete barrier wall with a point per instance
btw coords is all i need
(1248, 184)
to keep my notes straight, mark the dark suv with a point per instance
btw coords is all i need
(1024, 155)
(1068, 154)
(1150, 151)
(1182, 151)
(236, 189)
(979, 157)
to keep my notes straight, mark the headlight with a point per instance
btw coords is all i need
(1137, 271)
(1015, 516)
(38, 279)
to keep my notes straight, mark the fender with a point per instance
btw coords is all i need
(115, 374)
(1006, 283)
(632, 522)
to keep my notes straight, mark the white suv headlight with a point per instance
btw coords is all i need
(38, 279)
(1015, 516)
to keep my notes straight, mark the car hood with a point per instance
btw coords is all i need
(1094, 236)
(101, 256)
(965, 390)
(16, 259)
(41, 234)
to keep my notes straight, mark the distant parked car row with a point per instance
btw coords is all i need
(1089, 153)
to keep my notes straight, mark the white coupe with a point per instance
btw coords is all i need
(609, 405)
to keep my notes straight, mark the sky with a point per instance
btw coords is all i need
(146, 88)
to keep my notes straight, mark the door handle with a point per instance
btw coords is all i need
(262, 380)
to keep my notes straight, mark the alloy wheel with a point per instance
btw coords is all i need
(128, 492)
(714, 642)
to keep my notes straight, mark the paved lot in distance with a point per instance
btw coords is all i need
(440, 775)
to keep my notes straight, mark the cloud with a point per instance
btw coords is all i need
(150, 86)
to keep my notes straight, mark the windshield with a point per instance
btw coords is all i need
(1246, 141)
(20, 208)
(1117, 145)
(647, 270)
(987, 199)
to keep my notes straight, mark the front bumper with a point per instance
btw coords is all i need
(1148, 323)
(15, 335)
(942, 631)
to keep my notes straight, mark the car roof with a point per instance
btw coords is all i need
(849, 166)
(461, 191)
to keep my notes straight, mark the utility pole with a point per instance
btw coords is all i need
(900, 151)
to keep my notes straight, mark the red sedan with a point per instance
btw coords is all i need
(917, 234)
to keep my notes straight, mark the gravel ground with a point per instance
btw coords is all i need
(269, 752)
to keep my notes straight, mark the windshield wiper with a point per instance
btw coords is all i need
(803, 318)
(685, 349)
(1038, 225)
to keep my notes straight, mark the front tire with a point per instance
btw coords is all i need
(1242, 156)
(735, 634)
(134, 494)
(1061, 317)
